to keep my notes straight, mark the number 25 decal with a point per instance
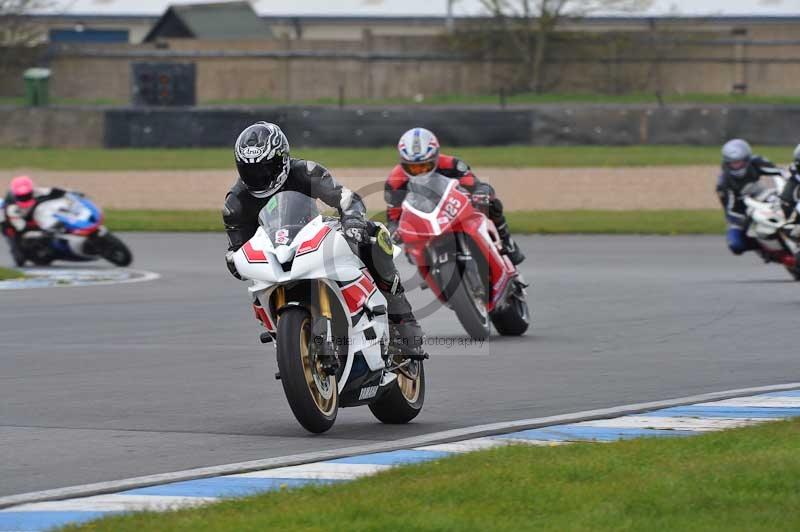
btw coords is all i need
(452, 206)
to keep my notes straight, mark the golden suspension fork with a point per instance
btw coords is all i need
(280, 297)
(324, 300)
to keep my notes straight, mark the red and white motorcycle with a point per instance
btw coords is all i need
(327, 318)
(767, 225)
(456, 249)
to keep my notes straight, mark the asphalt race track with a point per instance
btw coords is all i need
(108, 382)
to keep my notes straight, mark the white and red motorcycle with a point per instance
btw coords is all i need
(328, 320)
(776, 237)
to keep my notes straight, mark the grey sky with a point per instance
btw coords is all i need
(432, 7)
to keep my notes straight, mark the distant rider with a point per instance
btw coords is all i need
(419, 157)
(20, 203)
(739, 169)
(790, 196)
(265, 168)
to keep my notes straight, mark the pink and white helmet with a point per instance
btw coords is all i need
(419, 152)
(22, 190)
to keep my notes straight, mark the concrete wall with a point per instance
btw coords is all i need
(56, 127)
(372, 127)
(380, 67)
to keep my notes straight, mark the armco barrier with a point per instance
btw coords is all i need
(374, 126)
(313, 126)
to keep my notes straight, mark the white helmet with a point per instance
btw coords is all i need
(736, 155)
(419, 152)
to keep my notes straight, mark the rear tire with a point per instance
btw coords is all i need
(403, 401)
(514, 319)
(115, 251)
(313, 396)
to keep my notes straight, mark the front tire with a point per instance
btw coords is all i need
(403, 401)
(19, 257)
(313, 395)
(468, 302)
(115, 251)
(794, 272)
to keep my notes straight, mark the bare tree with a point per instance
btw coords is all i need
(17, 28)
(530, 25)
(19, 33)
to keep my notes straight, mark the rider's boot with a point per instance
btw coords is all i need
(510, 247)
(404, 330)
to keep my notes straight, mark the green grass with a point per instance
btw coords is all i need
(6, 274)
(664, 222)
(530, 99)
(164, 221)
(65, 101)
(505, 156)
(745, 479)
(658, 222)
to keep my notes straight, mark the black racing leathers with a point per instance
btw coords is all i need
(730, 187)
(241, 210)
(790, 195)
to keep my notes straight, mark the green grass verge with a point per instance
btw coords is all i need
(165, 221)
(664, 222)
(660, 222)
(6, 274)
(744, 479)
(498, 156)
(534, 98)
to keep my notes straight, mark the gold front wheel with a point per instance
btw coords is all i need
(312, 394)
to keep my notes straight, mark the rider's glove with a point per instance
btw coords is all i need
(232, 265)
(356, 228)
(482, 201)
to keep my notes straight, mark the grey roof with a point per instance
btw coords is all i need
(224, 20)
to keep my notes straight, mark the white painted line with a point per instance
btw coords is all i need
(407, 443)
(319, 471)
(114, 503)
(67, 278)
(466, 446)
(673, 423)
(770, 402)
(546, 443)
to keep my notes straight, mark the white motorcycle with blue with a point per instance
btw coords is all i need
(326, 318)
(69, 228)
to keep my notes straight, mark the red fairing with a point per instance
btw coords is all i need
(455, 215)
(91, 230)
(314, 243)
(253, 255)
(263, 317)
(783, 257)
(358, 292)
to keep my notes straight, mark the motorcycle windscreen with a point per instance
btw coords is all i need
(285, 214)
(425, 193)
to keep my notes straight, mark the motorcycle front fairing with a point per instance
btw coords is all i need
(73, 219)
(435, 207)
(317, 252)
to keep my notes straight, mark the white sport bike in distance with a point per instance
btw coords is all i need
(327, 318)
(777, 239)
